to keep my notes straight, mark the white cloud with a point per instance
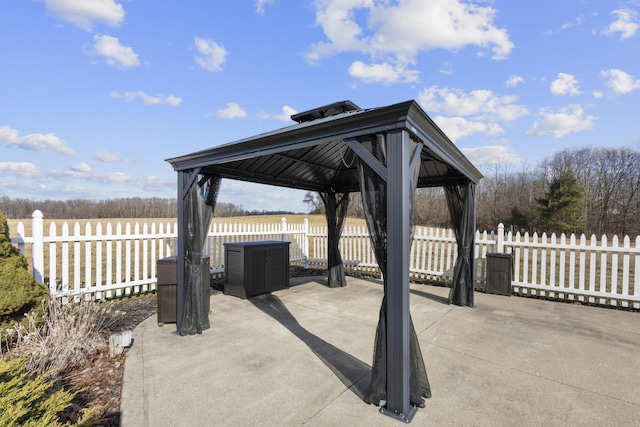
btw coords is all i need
(446, 69)
(459, 127)
(34, 141)
(481, 104)
(619, 81)
(100, 178)
(260, 4)
(107, 157)
(148, 99)
(396, 32)
(597, 94)
(73, 174)
(232, 111)
(569, 119)
(111, 177)
(84, 13)
(514, 81)
(115, 53)
(212, 55)
(462, 114)
(626, 24)
(565, 84)
(382, 73)
(286, 114)
(21, 169)
(82, 167)
(491, 155)
(110, 180)
(154, 183)
(579, 20)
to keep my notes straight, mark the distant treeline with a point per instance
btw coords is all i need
(588, 190)
(135, 207)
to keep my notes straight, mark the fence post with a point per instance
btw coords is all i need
(37, 250)
(305, 242)
(500, 248)
(283, 228)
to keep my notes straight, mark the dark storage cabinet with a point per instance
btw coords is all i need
(254, 268)
(499, 273)
(167, 288)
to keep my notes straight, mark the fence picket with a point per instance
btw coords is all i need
(534, 260)
(562, 283)
(543, 260)
(99, 265)
(614, 271)
(76, 261)
(552, 263)
(625, 269)
(603, 268)
(65, 260)
(127, 258)
(582, 266)
(145, 256)
(87, 260)
(118, 257)
(109, 259)
(572, 267)
(516, 264)
(592, 266)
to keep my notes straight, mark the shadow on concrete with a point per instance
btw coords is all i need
(350, 370)
(432, 297)
(303, 280)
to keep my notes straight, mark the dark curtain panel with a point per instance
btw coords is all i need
(461, 201)
(335, 209)
(374, 199)
(198, 205)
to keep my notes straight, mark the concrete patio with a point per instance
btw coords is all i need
(302, 356)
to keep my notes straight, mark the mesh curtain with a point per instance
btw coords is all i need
(335, 208)
(461, 201)
(199, 204)
(374, 200)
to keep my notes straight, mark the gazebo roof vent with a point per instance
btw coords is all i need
(325, 111)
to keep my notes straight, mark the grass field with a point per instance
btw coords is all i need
(314, 221)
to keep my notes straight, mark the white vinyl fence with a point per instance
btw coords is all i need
(99, 263)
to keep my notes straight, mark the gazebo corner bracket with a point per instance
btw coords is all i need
(367, 157)
(192, 177)
(405, 418)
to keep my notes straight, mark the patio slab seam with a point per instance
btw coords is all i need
(442, 316)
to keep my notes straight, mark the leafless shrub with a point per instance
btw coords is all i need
(69, 334)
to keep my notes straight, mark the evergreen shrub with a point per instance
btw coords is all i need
(19, 292)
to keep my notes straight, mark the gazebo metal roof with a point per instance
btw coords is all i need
(318, 154)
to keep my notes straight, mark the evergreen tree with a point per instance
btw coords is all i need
(563, 207)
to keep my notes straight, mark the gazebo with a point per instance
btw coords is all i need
(384, 153)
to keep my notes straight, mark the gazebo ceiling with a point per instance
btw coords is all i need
(315, 153)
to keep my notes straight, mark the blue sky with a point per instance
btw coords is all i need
(95, 94)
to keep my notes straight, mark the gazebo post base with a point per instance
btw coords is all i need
(405, 418)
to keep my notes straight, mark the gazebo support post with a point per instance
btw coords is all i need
(398, 234)
(183, 180)
(186, 178)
